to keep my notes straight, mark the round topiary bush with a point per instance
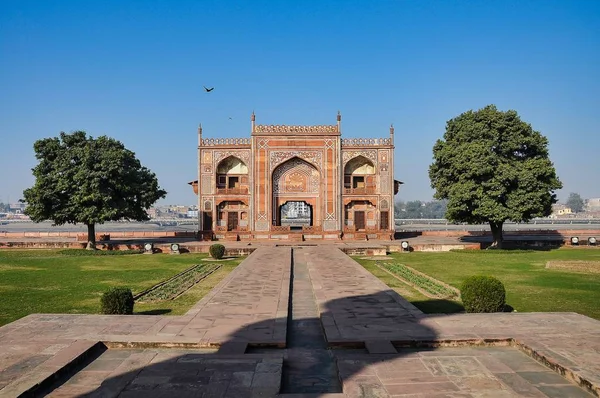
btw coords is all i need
(483, 294)
(118, 300)
(217, 251)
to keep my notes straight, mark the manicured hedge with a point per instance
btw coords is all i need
(483, 294)
(217, 251)
(118, 300)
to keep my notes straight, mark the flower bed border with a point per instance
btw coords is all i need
(419, 288)
(161, 284)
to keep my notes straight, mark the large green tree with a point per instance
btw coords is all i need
(575, 202)
(493, 167)
(81, 179)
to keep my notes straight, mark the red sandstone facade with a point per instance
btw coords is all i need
(297, 183)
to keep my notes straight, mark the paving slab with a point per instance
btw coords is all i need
(336, 296)
(181, 373)
(356, 307)
(250, 304)
(451, 372)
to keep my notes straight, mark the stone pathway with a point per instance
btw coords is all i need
(250, 305)
(452, 372)
(309, 367)
(356, 306)
(174, 373)
(333, 296)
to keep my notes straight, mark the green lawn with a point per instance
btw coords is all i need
(46, 281)
(530, 287)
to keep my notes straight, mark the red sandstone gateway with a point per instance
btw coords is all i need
(295, 183)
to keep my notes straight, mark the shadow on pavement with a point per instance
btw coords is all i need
(309, 364)
(158, 311)
(439, 306)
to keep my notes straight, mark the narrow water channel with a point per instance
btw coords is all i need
(309, 367)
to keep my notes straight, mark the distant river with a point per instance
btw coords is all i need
(109, 227)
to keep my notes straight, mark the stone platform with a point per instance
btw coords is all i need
(344, 331)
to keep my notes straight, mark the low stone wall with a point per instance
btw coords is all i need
(365, 251)
(537, 232)
(158, 248)
(82, 237)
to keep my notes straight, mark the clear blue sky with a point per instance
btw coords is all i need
(134, 70)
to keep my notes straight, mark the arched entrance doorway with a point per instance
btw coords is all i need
(296, 214)
(296, 186)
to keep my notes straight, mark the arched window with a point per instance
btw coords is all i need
(359, 173)
(232, 173)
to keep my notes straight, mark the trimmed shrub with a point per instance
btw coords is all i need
(217, 251)
(118, 300)
(483, 294)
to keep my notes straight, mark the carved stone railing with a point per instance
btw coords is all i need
(222, 228)
(314, 228)
(366, 141)
(280, 228)
(232, 191)
(225, 141)
(285, 129)
(359, 191)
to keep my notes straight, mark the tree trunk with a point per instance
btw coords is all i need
(91, 236)
(498, 239)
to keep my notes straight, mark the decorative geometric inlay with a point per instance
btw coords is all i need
(207, 205)
(207, 169)
(262, 226)
(329, 225)
(206, 185)
(370, 154)
(330, 216)
(329, 144)
(261, 216)
(285, 129)
(384, 186)
(278, 157)
(295, 175)
(384, 205)
(243, 155)
(263, 144)
(383, 156)
(383, 167)
(207, 156)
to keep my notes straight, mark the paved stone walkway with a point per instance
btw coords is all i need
(452, 372)
(309, 367)
(356, 306)
(174, 373)
(250, 305)
(366, 321)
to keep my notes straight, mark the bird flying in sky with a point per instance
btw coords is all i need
(208, 90)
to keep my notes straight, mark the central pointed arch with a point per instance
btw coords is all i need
(298, 181)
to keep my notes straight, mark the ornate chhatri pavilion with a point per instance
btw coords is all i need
(296, 183)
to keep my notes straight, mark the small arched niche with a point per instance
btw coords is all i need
(232, 165)
(359, 173)
(232, 173)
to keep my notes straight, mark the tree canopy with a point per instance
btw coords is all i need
(493, 167)
(575, 202)
(412, 209)
(81, 179)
